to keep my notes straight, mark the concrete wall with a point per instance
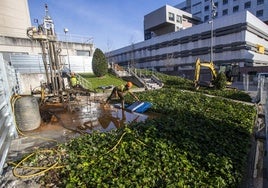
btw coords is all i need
(14, 18)
(155, 18)
(28, 82)
(32, 47)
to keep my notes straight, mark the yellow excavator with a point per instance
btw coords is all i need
(210, 65)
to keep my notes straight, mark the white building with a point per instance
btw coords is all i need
(236, 40)
(167, 19)
(202, 8)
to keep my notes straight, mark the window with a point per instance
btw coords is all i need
(82, 53)
(206, 18)
(236, 8)
(206, 8)
(171, 16)
(224, 2)
(225, 12)
(179, 19)
(259, 13)
(247, 5)
(259, 2)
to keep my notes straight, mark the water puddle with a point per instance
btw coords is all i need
(87, 116)
(96, 117)
(60, 125)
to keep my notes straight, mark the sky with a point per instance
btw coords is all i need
(112, 24)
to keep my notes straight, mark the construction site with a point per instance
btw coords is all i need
(180, 132)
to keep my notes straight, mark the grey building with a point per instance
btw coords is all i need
(237, 40)
(202, 8)
(167, 19)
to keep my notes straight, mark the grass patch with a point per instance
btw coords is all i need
(106, 80)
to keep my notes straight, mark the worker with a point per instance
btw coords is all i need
(121, 91)
(73, 80)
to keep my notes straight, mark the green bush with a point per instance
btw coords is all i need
(220, 81)
(99, 63)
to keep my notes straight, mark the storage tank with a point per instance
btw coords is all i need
(27, 113)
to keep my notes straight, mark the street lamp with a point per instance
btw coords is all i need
(67, 48)
(213, 14)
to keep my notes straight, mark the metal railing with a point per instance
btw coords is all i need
(83, 82)
(8, 86)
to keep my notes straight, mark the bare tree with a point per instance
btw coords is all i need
(169, 61)
(132, 53)
(108, 53)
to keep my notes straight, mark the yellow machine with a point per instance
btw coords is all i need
(211, 67)
(198, 65)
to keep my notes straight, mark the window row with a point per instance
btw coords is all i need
(259, 13)
(259, 2)
(246, 4)
(171, 17)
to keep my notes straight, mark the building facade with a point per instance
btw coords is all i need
(237, 40)
(202, 8)
(167, 19)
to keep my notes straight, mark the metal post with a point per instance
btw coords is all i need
(213, 14)
(211, 44)
(67, 48)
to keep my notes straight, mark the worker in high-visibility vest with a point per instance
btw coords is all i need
(73, 80)
(121, 91)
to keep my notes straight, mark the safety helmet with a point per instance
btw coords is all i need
(129, 84)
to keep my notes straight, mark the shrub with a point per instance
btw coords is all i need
(99, 63)
(220, 81)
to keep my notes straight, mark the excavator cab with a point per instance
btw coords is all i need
(230, 71)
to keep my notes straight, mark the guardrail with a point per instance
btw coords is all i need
(83, 82)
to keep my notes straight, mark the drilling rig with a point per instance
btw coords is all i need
(57, 88)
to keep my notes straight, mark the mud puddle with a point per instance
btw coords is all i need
(97, 117)
(60, 125)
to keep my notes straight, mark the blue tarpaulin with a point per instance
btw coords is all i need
(139, 106)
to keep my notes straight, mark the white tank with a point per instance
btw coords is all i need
(27, 113)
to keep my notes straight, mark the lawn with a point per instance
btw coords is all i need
(106, 80)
